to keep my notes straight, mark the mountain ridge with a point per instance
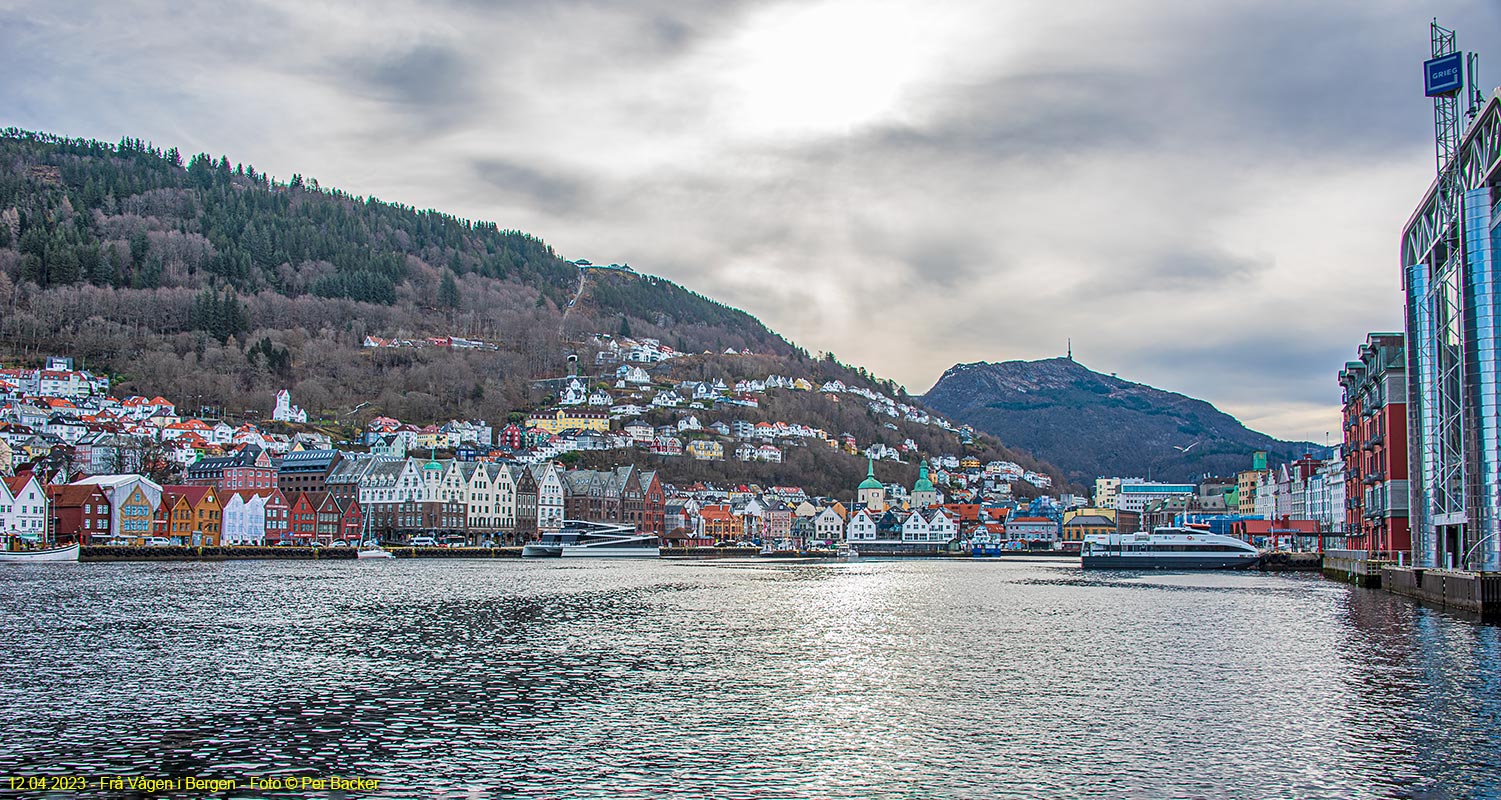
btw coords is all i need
(1090, 424)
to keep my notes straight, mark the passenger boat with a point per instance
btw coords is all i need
(579, 539)
(64, 553)
(1167, 548)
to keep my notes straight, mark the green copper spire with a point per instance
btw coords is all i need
(923, 484)
(870, 481)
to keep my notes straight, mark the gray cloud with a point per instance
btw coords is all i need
(424, 75)
(1204, 197)
(530, 185)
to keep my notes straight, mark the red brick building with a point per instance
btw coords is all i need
(1375, 446)
(250, 468)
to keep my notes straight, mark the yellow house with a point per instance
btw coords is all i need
(1107, 513)
(969, 462)
(706, 450)
(565, 419)
(135, 517)
(427, 438)
(194, 515)
(802, 385)
(1087, 522)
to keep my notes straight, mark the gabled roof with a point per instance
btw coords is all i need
(73, 494)
(193, 494)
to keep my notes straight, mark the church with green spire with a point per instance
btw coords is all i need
(871, 493)
(924, 493)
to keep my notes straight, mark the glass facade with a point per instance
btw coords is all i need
(1482, 371)
(1452, 280)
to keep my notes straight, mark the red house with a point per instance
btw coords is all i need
(302, 526)
(352, 521)
(78, 513)
(654, 504)
(278, 515)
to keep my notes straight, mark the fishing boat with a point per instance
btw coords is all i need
(40, 555)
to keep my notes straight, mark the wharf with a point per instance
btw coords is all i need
(1473, 592)
(1476, 592)
(1354, 567)
(98, 553)
(1290, 562)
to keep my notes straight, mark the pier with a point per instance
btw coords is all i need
(97, 553)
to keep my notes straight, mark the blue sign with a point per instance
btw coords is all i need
(1444, 75)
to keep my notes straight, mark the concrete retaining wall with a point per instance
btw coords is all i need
(1476, 592)
(1353, 567)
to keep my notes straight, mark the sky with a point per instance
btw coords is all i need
(1204, 197)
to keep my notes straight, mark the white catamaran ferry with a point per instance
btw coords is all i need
(594, 540)
(1167, 548)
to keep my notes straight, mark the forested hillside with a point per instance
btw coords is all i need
(199, 277)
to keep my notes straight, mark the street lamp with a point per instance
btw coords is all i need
(1465, 561)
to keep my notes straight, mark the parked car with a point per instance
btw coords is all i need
(340, 543)
(424, 541)
(157, 541)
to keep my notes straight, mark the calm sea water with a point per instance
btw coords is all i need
(746, 680)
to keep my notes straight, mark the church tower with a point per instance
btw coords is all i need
(924, 494)
(871, 493)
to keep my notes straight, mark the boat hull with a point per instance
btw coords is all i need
(609, 552)
(69, 553)
(587, 551)
(373, 554)
(1196, 562)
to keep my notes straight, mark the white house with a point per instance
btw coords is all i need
(285, 411)
(828, 525)
(628, 373)
(549, 498)
(861, 527)
(574, 394)
(915, 528)
(243, 518)
(23, 506)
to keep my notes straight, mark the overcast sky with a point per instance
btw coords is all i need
(1206, 197)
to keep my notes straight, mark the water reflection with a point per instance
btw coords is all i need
(747, 679)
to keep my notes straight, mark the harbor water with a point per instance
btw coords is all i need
(741, 679)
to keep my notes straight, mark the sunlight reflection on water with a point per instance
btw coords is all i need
(746, 679)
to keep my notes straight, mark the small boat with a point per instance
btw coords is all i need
(593, 539)
(64, 553)
(372, 551)
(1167, 548)
(846, 552)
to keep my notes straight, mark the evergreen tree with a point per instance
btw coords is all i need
(448, 291)
(103, 271)
(62, 265)
(139, 245)
(625, 327)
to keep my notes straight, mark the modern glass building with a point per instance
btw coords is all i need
(1452, 280)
